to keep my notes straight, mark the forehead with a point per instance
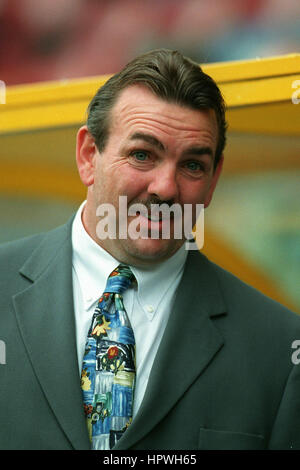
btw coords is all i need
(138, 108)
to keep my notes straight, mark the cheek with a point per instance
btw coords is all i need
(131, 182)
(193, 192)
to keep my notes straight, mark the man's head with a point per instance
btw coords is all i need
(155, 134)
(171, 77)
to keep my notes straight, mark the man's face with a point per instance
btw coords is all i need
(156, 152)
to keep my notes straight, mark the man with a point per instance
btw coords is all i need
(206, 362)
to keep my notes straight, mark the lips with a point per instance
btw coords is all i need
(154, 223)
(155, 215)
(155, 220)
(150, 217)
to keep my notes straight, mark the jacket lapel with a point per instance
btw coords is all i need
(45, 315)
(190, 333)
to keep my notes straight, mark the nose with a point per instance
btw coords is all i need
(164, 184)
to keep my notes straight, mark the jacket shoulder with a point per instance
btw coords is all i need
(232, 295)
(243, 300)
(239, 291)
(14, 253)
(39, 248)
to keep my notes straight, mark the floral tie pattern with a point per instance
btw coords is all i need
(108, 369)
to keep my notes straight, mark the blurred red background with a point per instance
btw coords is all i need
(57, 39)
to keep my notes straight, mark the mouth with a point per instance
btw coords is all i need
(150, 217)
(153, 220)
(155, 217)
(155, 225)
(156, 214)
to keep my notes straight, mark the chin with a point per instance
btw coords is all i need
(150, 251)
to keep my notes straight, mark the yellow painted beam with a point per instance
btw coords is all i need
(44, 116)
(53, 91)
(260, 91)
(279, 119)
(40, 181)
(253, 69)
(244, 84)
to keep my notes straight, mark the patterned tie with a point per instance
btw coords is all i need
(108, 369)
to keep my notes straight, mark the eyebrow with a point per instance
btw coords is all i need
(150, 139)
(199, 151)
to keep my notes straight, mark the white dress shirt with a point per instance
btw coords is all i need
(148, 306)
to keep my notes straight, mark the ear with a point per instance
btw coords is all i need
(86, 151)
(214, 181)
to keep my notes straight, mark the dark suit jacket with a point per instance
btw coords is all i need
(222, 378)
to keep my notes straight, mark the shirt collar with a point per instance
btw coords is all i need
(155, 281)
(93, 265)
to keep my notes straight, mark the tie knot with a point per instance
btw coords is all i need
(120, 279)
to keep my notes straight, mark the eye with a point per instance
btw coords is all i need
(194, 166)
(141, 159)
(140, 155)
